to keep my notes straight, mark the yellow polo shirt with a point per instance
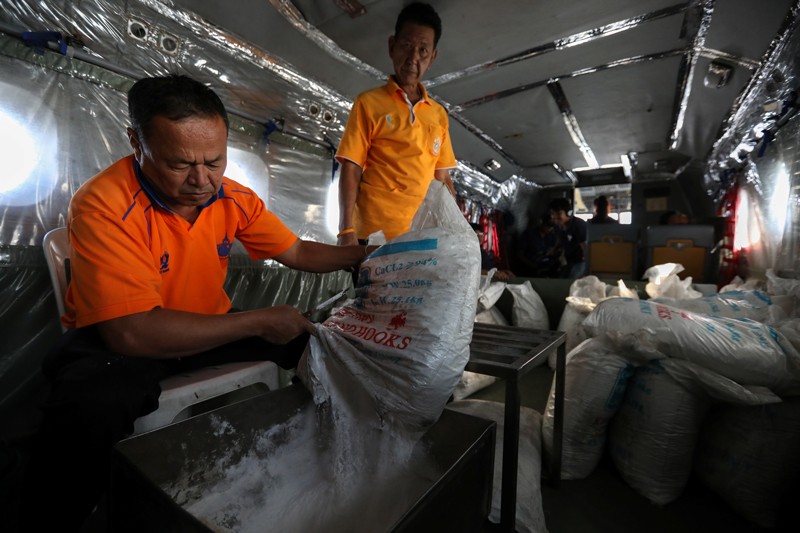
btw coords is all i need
(398, 149)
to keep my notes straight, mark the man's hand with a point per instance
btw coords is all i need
(503, 275)
(283, 323)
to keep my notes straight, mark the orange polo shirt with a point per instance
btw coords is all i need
(129, 253)
(398, 149)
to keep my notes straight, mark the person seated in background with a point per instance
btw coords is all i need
(572, 238)
(487, 261)
(601, 212)
(150, 238)
(540, 249)
(674, 217)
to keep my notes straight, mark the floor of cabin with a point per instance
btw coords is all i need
(604, 503)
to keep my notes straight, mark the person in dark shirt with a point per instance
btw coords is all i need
(601, 212)
(540, 249)
(572, 235)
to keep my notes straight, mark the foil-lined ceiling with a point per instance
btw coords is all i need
(542, 88)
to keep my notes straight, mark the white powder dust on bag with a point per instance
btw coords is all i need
(395, 353)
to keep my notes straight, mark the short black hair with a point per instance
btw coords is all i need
(422, 14)
(601, 202)
(175, 97)
(560, 204)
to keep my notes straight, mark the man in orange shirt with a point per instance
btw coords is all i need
(149, 243)
(396, 139)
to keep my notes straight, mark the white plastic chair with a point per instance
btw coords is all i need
(179, 393)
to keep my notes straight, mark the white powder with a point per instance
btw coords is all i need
(318, 471)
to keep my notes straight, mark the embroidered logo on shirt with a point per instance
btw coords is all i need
(390, 121)
(164, 260)
(437, 145)
(224, 248)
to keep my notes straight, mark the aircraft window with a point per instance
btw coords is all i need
(747, 232)
(248, 169)
(618, 196)
(332, 207)
(27, 149)
(778, 204)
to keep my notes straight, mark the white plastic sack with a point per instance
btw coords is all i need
(777, 285)
(528, 310)
(584, 294)
(702, 381)
(594, 385)
(589, 287)
(754, 305)
(664, 281)
(738, 284)
(748, 456)
(653, 434)
(490, 291)
(491, 316)
(470, 383)
(747, 352)
(396, 352)
(530, 514)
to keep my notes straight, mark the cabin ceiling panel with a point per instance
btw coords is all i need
(259, 23)
(624, 109)
(469, 147)
(707, 108)
(529, 126)
(472, 32)
(654, 37)
(546, 176)
(745, 28)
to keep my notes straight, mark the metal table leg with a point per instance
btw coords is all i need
(508, 499)
(558, 417)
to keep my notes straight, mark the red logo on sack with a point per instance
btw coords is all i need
(398, 320)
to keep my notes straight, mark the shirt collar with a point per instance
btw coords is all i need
(395, 88)
(151, 192)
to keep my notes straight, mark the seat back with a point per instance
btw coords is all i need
(56, 253)
(611, 250)
(687, 244)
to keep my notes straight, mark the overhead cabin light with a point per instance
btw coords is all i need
(718, 75)
(627, 167)
(492, 164)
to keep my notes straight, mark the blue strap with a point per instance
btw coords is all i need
(335, 164)
(38, 40)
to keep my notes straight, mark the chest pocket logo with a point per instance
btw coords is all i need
(164, 261)
(437, 146)
(224, 248)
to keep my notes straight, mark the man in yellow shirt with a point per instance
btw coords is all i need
(396, 140)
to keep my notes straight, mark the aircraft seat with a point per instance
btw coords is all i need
(687, 244)
(611, 250)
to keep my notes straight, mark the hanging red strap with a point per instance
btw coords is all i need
(730, 258)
